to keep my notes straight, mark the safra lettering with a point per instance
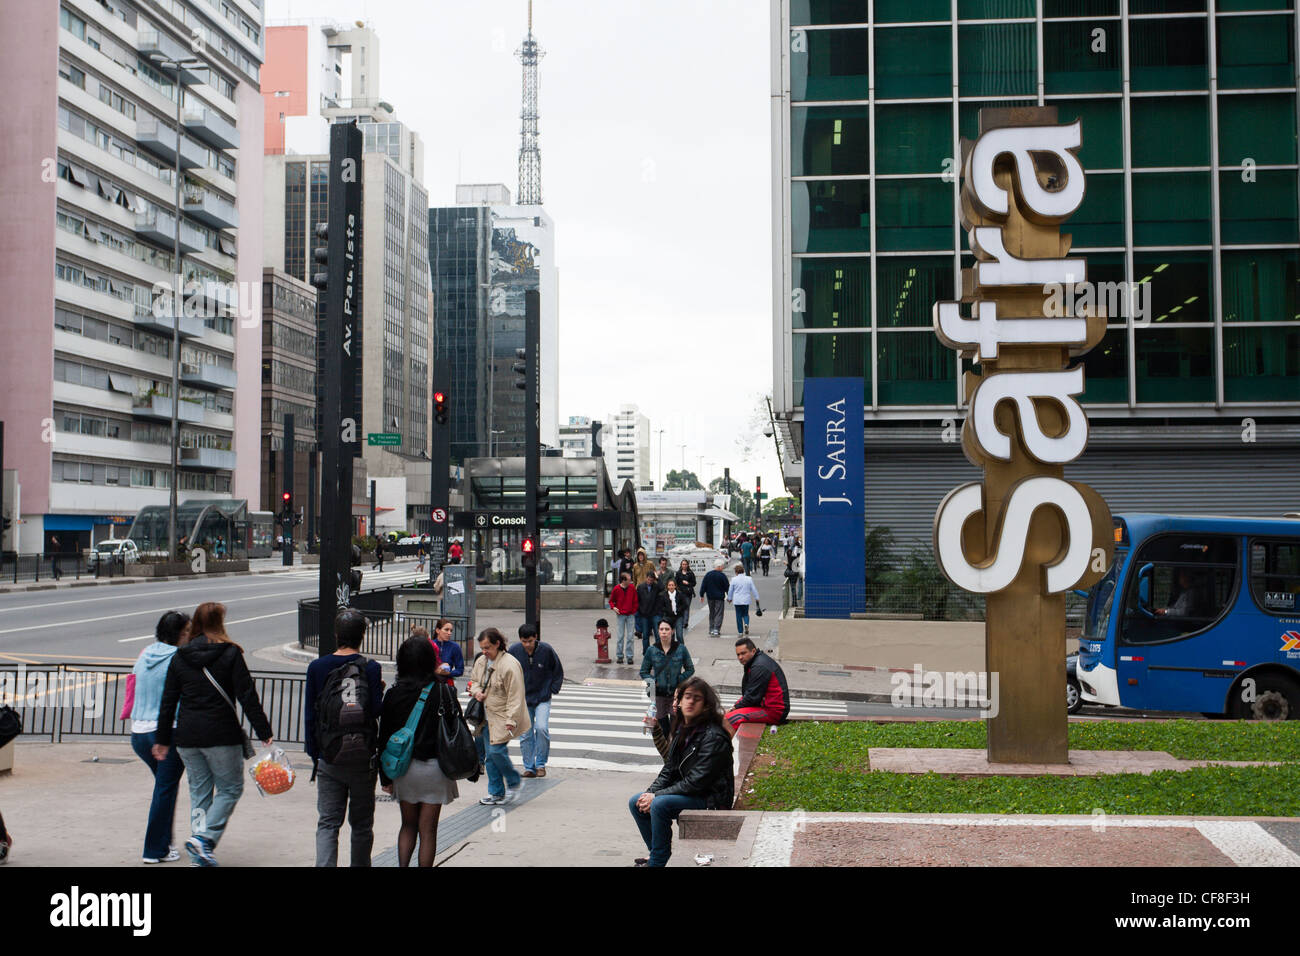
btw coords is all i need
(834, 468)
(76, 909)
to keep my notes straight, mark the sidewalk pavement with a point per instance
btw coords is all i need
(65, 810)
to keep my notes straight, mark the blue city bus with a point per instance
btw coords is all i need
(1197, 613)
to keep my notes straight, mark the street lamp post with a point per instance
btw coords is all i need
(661, 459)
(179, 66)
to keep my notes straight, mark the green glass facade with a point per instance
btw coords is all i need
(1192, 189)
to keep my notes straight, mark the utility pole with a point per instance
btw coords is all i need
(374, 532)
(533, 494)
(440, 467)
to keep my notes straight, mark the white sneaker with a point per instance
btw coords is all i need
(172, 856)
(514, 793)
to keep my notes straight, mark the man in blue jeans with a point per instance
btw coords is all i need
(543, 677)
(648, 611)
(741, 594)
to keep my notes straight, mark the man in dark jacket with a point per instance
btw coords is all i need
(648, 610)
(209, 736)
(714, 589)
(543, 677)
(349, 781)
(764, 697)
(697, 773)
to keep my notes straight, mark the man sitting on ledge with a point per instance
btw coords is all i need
(765, 697)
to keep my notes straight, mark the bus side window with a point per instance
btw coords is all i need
(1275, 575)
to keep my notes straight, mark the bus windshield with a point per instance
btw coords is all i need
(1100, 601)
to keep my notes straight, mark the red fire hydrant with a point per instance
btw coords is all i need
(602, 641)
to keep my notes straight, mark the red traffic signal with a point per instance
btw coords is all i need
(285, 496)
(527, 545)
(528, 553)
(440, 407)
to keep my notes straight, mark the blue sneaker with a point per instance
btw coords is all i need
(200, 851)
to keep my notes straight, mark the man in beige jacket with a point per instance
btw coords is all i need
(497, 680)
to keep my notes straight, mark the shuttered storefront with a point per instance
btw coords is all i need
(904, 485)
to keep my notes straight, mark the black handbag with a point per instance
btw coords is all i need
(457, 755)
(11, 724)
(474, 710)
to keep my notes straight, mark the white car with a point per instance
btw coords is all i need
(112, 549)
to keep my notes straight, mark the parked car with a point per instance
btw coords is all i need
(113, 549)
(1073, 700)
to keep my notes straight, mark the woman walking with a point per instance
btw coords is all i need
(204, 679)
(422, 791)
(765, 554)
(685, 579)
(497, 681)
(669, 663)
(674, 609)
(150, 674)
(697, 773)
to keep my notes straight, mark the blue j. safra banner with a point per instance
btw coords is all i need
(834, 511)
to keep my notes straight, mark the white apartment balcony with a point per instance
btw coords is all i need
(155, 46)
(209, 208)
(211, 127)
(207, 376)
(160, 406)
(120, 451)
(208, 459)
(74, 294)
(160, 139)
(191, 327)
(220, 294)
(159, 226)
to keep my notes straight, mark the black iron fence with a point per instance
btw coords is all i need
(385, 630)
(77, 702)
(17, 568)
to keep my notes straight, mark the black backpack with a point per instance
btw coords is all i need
(11, 724)
(345, 732)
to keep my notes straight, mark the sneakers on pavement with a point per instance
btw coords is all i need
(491, 801)
(200, 851)
(514, 793)
(172, 856)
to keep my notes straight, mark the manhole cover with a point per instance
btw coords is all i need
(835, 673)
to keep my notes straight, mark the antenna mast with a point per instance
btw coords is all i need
(530, 154)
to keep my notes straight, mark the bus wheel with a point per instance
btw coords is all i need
(1275, 699)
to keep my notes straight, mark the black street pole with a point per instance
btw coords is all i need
(532, 451)
(287, 506)
(440, 467)
(726, 480)
(311, 502)
(374, 532)
(339, 336)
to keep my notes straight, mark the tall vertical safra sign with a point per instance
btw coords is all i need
(1024, 536)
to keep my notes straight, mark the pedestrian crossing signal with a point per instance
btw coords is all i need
(528, 551)
(440, 407)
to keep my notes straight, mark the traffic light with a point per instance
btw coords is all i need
(528, 552)
(543, 504)
(321, 255)
(440, 407)
(521, 369)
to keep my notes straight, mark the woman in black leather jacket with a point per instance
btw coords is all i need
(697, 773)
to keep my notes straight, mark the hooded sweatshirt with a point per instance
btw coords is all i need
(150, 675)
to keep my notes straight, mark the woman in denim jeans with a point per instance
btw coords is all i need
(150, 675)
(208, 674)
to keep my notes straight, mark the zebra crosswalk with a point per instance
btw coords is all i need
(598, 727)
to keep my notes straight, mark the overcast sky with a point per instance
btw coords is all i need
(656, 169)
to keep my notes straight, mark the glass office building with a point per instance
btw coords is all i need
(1189, 143)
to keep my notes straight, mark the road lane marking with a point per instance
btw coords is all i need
(142, 593)
(243, 620)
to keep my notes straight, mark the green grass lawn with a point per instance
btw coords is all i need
(822, 767)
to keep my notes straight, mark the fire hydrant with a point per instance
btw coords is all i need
(602, 641)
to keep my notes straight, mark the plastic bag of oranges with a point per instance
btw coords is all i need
(272, 773)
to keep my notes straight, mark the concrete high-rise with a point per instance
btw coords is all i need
(626, 444)
(318, 73)
(87, 161)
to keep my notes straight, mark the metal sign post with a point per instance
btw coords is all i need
(440, 468)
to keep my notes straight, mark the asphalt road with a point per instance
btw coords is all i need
(109, 625)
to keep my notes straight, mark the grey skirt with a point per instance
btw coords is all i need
(424, 782)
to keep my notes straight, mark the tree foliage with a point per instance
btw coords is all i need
(682, 481)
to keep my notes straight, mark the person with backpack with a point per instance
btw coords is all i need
(341, 706)
(411, 710)
(203, 681)
(145, 687)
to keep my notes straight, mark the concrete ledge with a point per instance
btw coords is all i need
(41, 587)
(709, 824)
(1083, 763)
(937, 645)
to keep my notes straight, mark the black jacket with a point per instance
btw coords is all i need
(666, 608)
(398, 704)
(648, 598)
(764, 685)
(205, 719)
(702, 768)
(686, 582)
(543, 672)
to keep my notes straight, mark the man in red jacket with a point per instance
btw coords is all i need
(623, 602)
(765, 696)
